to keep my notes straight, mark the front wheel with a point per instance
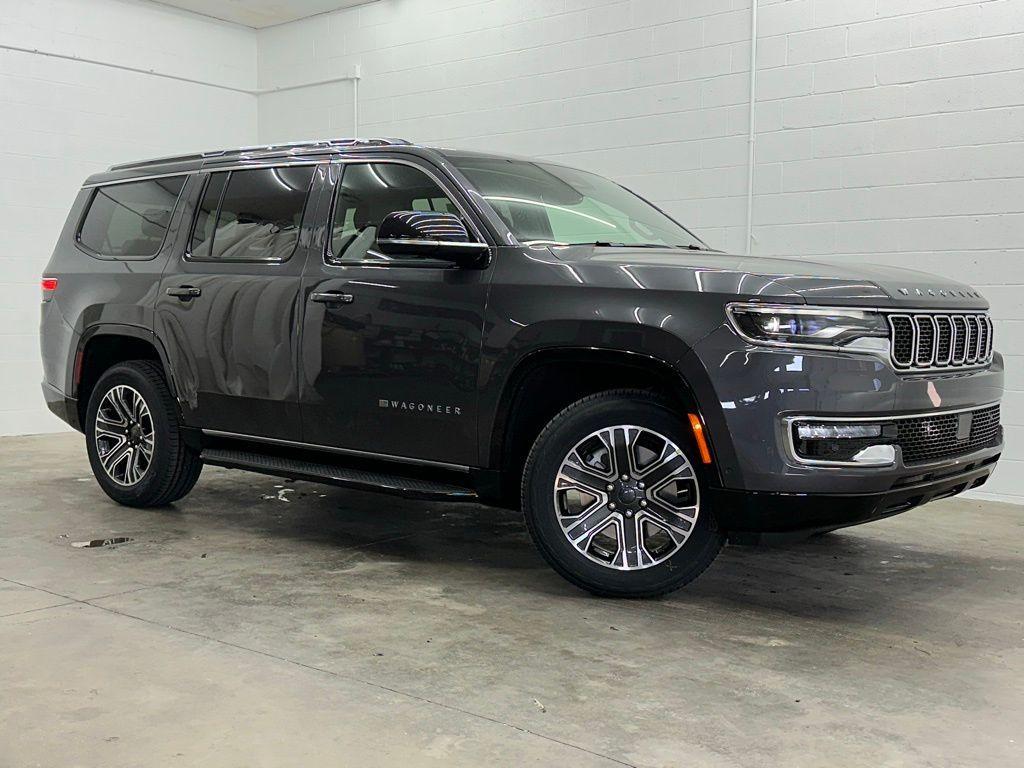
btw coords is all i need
(134, 440)
(613, 499)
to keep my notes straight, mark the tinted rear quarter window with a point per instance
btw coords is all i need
(130, 220)
(251, 215)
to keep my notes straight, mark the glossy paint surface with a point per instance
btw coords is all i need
(419, 361)
(233, 348)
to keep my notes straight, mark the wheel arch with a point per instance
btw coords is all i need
(104, 345)
(545, 381)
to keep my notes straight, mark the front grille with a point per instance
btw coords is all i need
(945, 435)
(926, 341)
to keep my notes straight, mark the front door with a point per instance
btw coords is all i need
(390, 343)
(226, 310)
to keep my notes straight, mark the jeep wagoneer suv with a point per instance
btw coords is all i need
(464, 326)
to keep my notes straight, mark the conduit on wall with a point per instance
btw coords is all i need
(353, 78)
(751, 135)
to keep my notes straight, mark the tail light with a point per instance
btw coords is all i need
(49, 286)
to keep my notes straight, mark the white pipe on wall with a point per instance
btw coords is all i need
(354, 78)
(751, 135)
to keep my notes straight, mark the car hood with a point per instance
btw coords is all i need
(814, 282)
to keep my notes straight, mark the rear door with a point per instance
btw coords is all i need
(226, 309)
(390, 365)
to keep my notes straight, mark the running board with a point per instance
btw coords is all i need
(334, 474)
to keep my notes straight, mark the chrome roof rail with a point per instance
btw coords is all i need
(324, 145)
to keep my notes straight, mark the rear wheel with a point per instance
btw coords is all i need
(134, 439)
(612, 497)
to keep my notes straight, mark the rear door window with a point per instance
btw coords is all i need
(251, 215)
(130, 220)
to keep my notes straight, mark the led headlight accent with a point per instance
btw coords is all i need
(814, 326)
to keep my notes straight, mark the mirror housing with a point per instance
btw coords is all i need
(430, 234)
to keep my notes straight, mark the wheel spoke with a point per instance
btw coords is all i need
(137, 406)
(134, 464)
(675, 521)
(620, 451)
(117, 399)
(107, 428)
(589, 523)
(115, 456)
(672, 464)
(582, 478)
(629, 549)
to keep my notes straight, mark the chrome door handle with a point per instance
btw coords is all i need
(332, 297)
(185, 292)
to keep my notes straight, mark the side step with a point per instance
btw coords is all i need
(333, 474)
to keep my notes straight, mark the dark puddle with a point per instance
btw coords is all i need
(101, 542)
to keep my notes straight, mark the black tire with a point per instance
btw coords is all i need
(174, 468)
(575, 423)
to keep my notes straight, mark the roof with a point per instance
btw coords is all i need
(173, 165)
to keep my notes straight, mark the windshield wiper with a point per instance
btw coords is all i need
(606, 244)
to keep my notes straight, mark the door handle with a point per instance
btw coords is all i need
(332, 297)
(185, 292)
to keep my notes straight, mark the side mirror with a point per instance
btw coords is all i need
(431, 234)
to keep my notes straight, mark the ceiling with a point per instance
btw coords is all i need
(261, 13)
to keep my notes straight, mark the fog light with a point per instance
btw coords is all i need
(840, 431)
(868, 445)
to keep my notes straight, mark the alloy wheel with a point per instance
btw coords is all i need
(626, 497)
(124, 435)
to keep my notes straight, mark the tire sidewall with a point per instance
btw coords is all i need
(554, 444)
(155, 477)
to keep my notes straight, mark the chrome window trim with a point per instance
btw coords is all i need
(791, 446)
(207, 168)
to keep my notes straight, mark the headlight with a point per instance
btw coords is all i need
(815, 326)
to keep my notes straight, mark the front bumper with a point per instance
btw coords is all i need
(749, 515)
(762, 486)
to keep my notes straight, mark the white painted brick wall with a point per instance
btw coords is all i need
(62, 120)
(889, 131)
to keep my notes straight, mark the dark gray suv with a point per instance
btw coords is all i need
(464, 326)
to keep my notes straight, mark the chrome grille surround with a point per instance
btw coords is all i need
(935, 341)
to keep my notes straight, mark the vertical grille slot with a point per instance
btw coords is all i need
(925, 353)
(902, 331)
(924, 341)
(972, 340)
(944, 339)
(983, 335)
(960, 341)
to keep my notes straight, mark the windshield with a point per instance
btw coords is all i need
(553, 205)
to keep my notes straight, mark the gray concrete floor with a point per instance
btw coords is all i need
(342, 628)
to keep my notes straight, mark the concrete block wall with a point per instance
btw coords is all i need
(62, 120)
(888, 131)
